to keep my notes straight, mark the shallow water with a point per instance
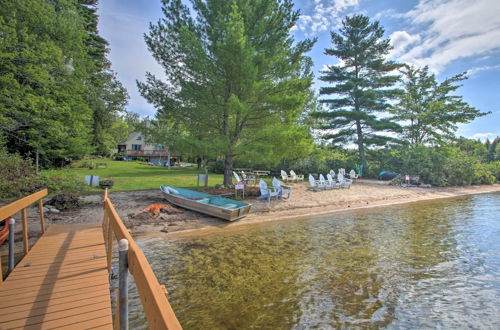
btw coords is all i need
(421, 265)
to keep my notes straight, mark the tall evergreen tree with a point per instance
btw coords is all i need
(363, 82)
(237, 83)
(44, 69)
(106, 96)
(431, 110)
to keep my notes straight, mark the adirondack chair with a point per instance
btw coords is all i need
(324, 183)
(296, 177)
(248, 178)
(332, 173)
(285, 177)
(344, 183)
(353, 175)
(237, 177)
(314, 185)
(283, 189)
(266, 193)
(331, 181)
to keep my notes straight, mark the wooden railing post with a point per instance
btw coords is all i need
(123, 284)
(110, 245)
(42, 217)
(25, 231)
(12, 244)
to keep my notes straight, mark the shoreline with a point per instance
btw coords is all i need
(278, 216)
(302, 204)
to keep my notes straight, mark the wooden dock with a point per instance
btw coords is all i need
(61, 282)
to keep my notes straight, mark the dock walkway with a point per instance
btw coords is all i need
(62, 282)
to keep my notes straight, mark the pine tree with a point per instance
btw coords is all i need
(431, 110)
(237, 83)
(362, 86)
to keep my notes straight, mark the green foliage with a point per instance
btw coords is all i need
(431, 110)
(18, 178)
(322, 161)
(442, 166)
(55, 86)
(237, 83)
(362, 86)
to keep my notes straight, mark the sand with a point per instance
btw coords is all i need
(303, 203)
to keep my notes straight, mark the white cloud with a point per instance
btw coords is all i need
(400, 40)
(484, 136)
(474, 71)
(325, 15)
(451, 30)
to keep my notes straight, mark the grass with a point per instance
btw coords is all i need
(137, 175)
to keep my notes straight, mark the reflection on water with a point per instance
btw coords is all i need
(432, 264)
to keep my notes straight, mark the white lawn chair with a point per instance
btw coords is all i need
(314, 185)
(344, 183)
(266, 193)
(237, 177)
(324, 183)
(248, 178)
(332, 173)
(285, 177)
(296, 177)
(331, 181)
(353, 175)
(282, 188)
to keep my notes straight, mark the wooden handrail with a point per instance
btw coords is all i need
(159, 313)
(20, 205)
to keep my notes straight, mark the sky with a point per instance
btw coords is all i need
(450, 36)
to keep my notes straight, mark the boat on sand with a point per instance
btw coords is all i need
(215, 206)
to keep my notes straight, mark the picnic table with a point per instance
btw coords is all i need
(261, 173)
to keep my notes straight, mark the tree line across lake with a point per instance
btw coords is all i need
(238, 88)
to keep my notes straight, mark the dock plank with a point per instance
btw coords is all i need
(61, 283)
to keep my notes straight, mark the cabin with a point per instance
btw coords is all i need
(135, 147)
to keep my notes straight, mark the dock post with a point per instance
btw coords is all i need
(12, 222)
(123, 283)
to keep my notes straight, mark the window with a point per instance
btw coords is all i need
(158, 147)
(139, 138)
(136, 147)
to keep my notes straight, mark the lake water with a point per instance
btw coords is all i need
(421, 265)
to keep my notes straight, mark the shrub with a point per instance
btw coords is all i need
(18, 178)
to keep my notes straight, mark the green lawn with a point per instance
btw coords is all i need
(139, 176)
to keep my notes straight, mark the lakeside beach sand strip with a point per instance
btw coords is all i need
(303, 203)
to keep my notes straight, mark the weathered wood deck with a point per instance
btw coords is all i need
(61, 282)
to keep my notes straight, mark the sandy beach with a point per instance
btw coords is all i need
(303, 203)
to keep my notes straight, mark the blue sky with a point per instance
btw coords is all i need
(450, 36)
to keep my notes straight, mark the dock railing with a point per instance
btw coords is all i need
(7, 211)
(159, 313)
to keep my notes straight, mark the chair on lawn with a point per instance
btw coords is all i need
(331, 181)
(296, 177)
(332, 173)
(237, 177)
(314, 184)
(283, 189)
(285, 177)
(248, 178)
(266, 193)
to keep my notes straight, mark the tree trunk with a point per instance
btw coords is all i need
(361, 145)
(228, 170)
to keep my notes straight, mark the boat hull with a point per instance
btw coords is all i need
(212, 210)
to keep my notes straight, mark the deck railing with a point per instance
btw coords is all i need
(9, 210)
(159, 313)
